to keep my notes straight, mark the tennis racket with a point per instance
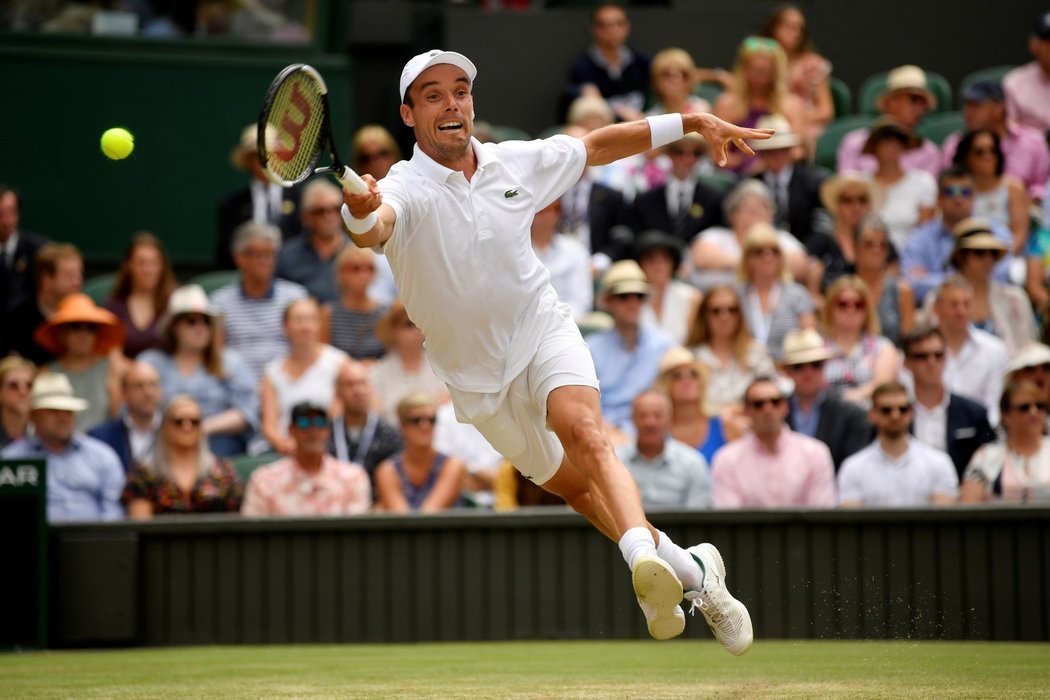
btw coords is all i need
(295, 128)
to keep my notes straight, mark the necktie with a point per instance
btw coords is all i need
(685, 202)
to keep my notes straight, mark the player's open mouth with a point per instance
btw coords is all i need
(449, 126)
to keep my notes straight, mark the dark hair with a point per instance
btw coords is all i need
(885, 389)
(1017, 387)
(603, 5)
(953, 172)
(965, 147)
(806, 46)
(918, 334)
(762, 379)
(166, 284)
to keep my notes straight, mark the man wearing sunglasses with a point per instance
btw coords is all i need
(309, 481)
(309, 258)
(773, 466)
(924, 260)
(896, 470)
(943, 420)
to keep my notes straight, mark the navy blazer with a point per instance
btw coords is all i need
(649, 211)
(237, 209)
(115, 434)
(843, 426)
(803, 200)
(968, 429)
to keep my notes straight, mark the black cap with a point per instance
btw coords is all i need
(984, 90)
(307, 409)
(1042, 26)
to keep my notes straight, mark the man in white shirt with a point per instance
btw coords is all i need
(976, 358)
(454, 222)
(896, 470)
(566, 259)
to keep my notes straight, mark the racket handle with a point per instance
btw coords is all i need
(351, 180)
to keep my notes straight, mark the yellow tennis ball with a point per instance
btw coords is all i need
(117, 143)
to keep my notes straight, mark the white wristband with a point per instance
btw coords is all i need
(665, 129)
(358, 226)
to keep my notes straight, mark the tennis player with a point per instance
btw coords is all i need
(454, 223)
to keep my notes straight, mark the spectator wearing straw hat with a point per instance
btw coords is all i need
(626, 356)
(795, 184)
(1000, 309)
(261, 201)
(84, 477)
(193, 361)
(839, 424)
(87, 341)
(906, 99)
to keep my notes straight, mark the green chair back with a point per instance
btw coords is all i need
(937, 127)
(210, 281)
(719, 179)
(709, 91)
(244, 465)
(99, 288)
(828, 143)
(841, 96)
(871, 88)
(510, 133)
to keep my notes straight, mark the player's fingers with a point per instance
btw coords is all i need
(742, 145)
(723, 153)
(760, 134)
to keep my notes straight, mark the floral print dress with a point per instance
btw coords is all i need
(219, 491)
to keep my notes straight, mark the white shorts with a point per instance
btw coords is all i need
(514, 420)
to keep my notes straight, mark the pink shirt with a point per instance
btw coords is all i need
(282, 488)
(1026, 156)
(1027, 92)
(926, 157)
(798, 473)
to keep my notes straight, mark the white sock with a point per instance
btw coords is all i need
(636, 542)
(685, 567)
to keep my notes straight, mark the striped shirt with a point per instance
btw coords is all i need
(354, 332)
(253, 325)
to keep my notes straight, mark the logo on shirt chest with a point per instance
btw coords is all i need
(509, 194)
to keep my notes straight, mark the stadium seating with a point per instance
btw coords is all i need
(828, 143)
(708, 91)
(210, 281)
(872, 87)
(509, 133)
(842, 96)
(246, 464)
(995, 73)
(99, 287)
(937, 127)
(719, 179)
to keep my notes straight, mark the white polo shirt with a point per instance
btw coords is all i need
(461, 253)
(874, 478)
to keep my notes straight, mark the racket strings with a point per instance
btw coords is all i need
(293, 128)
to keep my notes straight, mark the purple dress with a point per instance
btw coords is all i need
(138, 339)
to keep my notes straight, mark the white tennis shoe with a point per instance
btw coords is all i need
(659, 595)
(726, 616)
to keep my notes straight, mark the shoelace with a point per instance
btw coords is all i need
(696, 602)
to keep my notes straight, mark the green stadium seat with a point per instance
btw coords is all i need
(937, 127)
(828, 143)
(841, 96)
(244, 465)
(719, 179)
(871, 88)
(551, 131)
(995, 73)
(100, 287)
(510, 133)
(709, 91)
(210, 281)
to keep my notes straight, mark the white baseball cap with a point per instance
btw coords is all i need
(418, 64)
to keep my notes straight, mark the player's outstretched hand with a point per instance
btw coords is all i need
(361, 205)
(720, 133)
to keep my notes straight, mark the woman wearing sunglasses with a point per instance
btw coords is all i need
(16, 380)
(863, 358)
(1000, 198)
(182, 475)
(1017, 469)
(420, 478)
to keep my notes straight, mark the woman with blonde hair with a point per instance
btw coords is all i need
(420, 478)
(683, 379)
(760, 87)
(863, 357)
(374, 151)
(721, 341)
(16, 380)
(349, 323)
(182, 476)
(773, 304)
(673, 79)
(140, 294)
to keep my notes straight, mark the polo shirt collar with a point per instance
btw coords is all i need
(428, 167)
(269, 290)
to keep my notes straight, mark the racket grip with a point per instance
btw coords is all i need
(352, 181)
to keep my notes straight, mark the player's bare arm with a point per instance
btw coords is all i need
(618, 141)
(361, 207)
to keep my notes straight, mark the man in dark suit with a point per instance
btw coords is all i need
(683, 206)
(947, 421)
(261, 201)
(794, 184)
(18, 249)
(133, 433)
(840, 425)
(596, 215)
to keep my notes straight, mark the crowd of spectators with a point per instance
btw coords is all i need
(772, 334)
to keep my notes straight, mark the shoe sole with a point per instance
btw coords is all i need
(656, 584)
(712, 554)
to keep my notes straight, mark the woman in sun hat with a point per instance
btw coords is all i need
(88, 341)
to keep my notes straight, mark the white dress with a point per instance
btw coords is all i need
(316, 384)
(678, 303)
(902, 201)
(392, 383)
